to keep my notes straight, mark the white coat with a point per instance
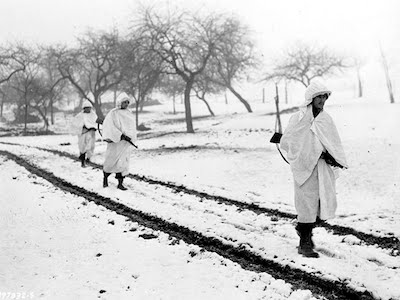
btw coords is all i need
(117, 122)
(304, 140)
(86, 138)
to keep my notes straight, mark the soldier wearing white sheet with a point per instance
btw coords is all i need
(84, 126)
(315, 153)
(119, 130)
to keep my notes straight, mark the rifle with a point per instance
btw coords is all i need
(128, 139)
(330, 160)
(276, 138)
(130, 142)
(99, 122)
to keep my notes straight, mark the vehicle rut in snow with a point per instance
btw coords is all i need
(384, 242)
(246, 259)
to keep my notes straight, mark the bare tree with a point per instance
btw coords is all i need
(303, 63)
(94, 67)
(54, 83)
(233, 57)
(7, 95)
(22, 82)
(185, 43)
(205, 85)
(11, 61)
(358, 63)
(387, 76)
(38, 94)
(35, 92)
(142, 70)
(172, 85)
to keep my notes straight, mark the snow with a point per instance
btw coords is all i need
(228, 156)
(58, 246)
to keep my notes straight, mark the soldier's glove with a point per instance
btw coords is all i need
(330, 160)
(125, 137)
(99, 120)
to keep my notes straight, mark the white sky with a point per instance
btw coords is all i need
(351, 27)
(348, 25)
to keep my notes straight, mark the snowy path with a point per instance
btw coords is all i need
(74, 249)
(359, 265)
(379, 238)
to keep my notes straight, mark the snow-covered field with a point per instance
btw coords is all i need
(60, 246)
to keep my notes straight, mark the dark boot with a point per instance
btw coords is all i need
(304, 230)
(120, 181)
(82, 159)
(319, 222)
(310, 236)
(105, 179)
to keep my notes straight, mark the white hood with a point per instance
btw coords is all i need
(314, 89)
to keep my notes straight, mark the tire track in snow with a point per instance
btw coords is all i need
(389, 243)
(299, 279)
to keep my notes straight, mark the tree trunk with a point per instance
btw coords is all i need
(208, 106)
(51, 112)
(360, 90)
(44, 118)
(137, 114)
(1, 108)
(188, 109)
(387, 76)
(26, 115)
(245, 103)
(226, 98)
(173, 103)
(99, 113)
(141, 104)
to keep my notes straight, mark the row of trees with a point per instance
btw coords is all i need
(175, 54)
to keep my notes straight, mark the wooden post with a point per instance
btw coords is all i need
(263, 95)
(286, 93)
(278, 124)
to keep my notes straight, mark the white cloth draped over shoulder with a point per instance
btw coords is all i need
(83, 119)
(117, 122)
(86, 138)
(304, 140)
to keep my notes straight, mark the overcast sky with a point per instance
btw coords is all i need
(352, 27)
(349, 25)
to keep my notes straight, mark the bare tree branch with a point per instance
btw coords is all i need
(304, 63)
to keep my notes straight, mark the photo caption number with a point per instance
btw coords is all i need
(16, 295)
